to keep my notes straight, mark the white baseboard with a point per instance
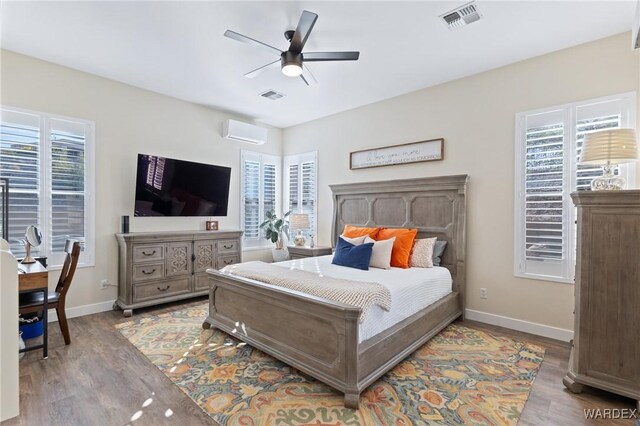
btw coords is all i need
(520, 325)
(79, 311)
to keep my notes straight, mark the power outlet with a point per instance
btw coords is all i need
(104, 284)
(483, 293)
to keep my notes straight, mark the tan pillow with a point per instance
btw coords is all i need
(381, 254)
(355, 241)
(422, 255)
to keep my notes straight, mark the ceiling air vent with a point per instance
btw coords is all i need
(461, 16)
(272, 94)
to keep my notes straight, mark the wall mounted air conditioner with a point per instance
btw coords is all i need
(244, 132)
(636, 29)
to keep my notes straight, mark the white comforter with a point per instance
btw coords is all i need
(411, 289)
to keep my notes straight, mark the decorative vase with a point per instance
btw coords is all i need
(299, 240)
(21, 344)
(280, 255)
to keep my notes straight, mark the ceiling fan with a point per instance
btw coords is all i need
(292, 61)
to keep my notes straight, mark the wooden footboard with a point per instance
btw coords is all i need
(315, 335)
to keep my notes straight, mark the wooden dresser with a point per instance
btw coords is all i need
(606, 344)
(160, 267)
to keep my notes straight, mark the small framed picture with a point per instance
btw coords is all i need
(212, 225)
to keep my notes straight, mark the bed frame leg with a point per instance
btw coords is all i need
(206, 325)
(351, 400)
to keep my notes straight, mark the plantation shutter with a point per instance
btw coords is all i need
(20, 162)
(301, 182)
(67, 220)
(45, 159)
(251, 195)
(269, 189)
(308, 182)
(293, 187)
(260, 194)
(548, 154)
(545, 225)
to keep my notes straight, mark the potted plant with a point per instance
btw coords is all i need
(275, 228)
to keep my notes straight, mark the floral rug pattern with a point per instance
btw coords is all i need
(461, 376)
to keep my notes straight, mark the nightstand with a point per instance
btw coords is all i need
(298, 252)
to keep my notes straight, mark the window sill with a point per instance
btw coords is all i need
(545, 278)
(257, 248)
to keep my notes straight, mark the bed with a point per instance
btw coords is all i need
(321, 337)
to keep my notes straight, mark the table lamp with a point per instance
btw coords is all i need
(608, 148)
(299, 222)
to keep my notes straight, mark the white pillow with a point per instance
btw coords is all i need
(381, 254)
(422, 255)
(355, 241)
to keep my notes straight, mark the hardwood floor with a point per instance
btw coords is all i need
(101, 379)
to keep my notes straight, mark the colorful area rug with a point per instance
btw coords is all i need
(461, 376)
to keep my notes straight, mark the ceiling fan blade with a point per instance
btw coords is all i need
(258, 71)
(300, 36)
(248, 40)
(307, 76)
(330, 56)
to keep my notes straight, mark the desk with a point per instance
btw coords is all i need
(34, 277)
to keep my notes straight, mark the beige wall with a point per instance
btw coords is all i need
(128, 121)
(476, 117)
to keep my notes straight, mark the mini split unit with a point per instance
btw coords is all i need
(244, 132)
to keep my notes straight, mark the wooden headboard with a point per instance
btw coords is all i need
(436, 206)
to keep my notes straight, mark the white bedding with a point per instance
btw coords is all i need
(411, 289)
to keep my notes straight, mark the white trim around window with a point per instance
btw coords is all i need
(548, 143)
(49, 133)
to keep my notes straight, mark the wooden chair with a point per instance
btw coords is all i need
(34, 302)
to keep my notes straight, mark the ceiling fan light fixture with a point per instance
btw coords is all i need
(291, 64)
(292, 70)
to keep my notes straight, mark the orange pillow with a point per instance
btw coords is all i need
(351, 231)
(402, 246)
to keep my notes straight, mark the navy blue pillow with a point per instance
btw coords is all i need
(353, 256)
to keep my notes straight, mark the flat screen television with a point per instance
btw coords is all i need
(170, 187)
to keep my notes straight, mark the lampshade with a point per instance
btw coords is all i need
(299, 221)
(615, 146)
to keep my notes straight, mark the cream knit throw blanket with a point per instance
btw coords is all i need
(355, 293)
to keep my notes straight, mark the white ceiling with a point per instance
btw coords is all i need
(177, 48)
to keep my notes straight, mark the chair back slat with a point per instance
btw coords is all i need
(72, 249)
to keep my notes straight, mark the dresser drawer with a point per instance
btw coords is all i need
(161, 289)
(227, 260)
(148, 271)
(147, 252)
(228, 246)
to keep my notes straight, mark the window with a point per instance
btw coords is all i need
(548, 144)
(49, 163)
(301, 185)
(260, 194)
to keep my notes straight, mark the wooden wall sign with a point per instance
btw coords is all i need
(414, 152)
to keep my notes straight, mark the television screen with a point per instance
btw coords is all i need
(169, 187)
